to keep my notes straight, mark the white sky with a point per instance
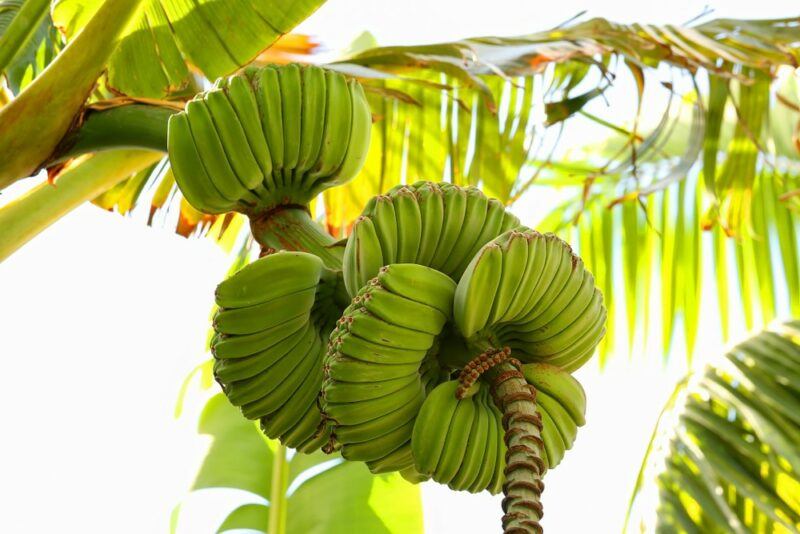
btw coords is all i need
(103, 317)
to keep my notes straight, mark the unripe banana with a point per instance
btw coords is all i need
(431, 206)
(455, 208)
(471, 228)
(553, 443)
(561, 386)
(313, 133)
(383, 217)
(362, 255)
(409, 225)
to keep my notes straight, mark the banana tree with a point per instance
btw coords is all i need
(724, 456)
(438, 302)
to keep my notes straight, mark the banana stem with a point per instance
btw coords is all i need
(292, 228)
(127, 126)
(525, 468)
(277, 495)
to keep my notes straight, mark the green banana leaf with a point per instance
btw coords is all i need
(241, 458)
(215, 36)
(724, 457)
(26, 51)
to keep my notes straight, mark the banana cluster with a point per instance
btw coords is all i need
(377, 369)
(459, 442)
(439, 225)
(269, 136)
(269, 344)
(528, 291)
(561, 402)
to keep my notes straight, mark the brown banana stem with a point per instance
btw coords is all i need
(525, 468)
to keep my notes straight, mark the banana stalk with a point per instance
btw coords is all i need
(525, 467)
(292, 228)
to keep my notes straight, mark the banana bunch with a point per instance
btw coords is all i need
(528, 291)
(439, 225)
(378, 367)
(269, 344)
(561, 402)
(269, 136)
(459, 442)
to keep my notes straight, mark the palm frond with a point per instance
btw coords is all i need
(725, 457)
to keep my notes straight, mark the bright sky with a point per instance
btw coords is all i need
(103, 317)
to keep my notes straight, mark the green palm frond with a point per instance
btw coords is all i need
(725, 453)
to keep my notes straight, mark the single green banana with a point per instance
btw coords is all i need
(581, 349)
(383, 217)
(377, 448)
(476, 448)
(338, 392)
(233, 139)
(430, 428)
(403, 312)
(419, 283)
(336, 138)
(308, 435)
(409, 225)
(477, 289)
(362, 255)
(313, 118)
(551, 261)
(189, 171)
(455, 207)
(498, 477)
(347, 369)
(471, 228)
(431, 206)
(252, 319)
(268, 97)
(356, 413)
(241, 95)
(270, 277)
(399, 459)
(291, 112)
(247, 345)
(360, 132)
(455, 445)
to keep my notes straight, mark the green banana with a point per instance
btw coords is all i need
(379, 426)
(268, 97)
(383, 217)
(430, 430)
(399, 459)
(270, 277)
(312, 125)
(362, 255)
(249, 344)
(360, 132)
(243, 99)
(377, 448)
(233, 139)
(336, 137)
(567, 428)
(252, 319)
(291, 113)
(455, 444)
(477, 289)
(409, 225)
(339, 392)
(515, 257)
(492, 224)
(473, 457)
(403, 311)
(190, 173)
(419, 283)
(356, 413)
(431, 206)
